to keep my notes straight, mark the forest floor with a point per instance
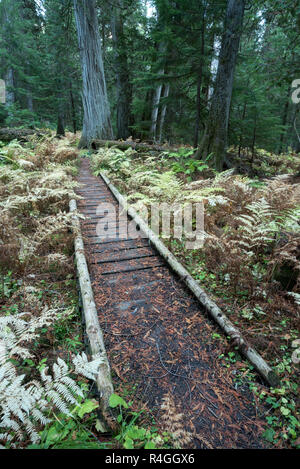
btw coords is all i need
(249, 263)
(256, 284)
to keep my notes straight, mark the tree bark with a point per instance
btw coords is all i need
(199, 82)
(73, 109)
(124, 89)
(284, 121)
(96, 120)
(10, 97)
(60, 130)
(163, 111)
(155, 105)
(157, 96)
(214, 140)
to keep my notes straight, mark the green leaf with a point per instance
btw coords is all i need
(149, 445)
(116, 400)
(128, 443)
(136, 433)
(87, 407)
(269, 434)
(53, 435)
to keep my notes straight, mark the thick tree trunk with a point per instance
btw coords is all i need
(96, 120)
(124, 90)
(213, 66)
(215, 137)
(60, 129)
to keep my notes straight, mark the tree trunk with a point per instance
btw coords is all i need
(163, 111)
(124, 90)
(199, 82)
(215, 137)
(157, 95)
(155, 105)
(213, 67)
(29, 101)
(60, 131)
(73, 109)
(284, 121)
(96, 120)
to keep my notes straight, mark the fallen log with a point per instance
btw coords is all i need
(96, 144)
(9, 134)
(225, 324)
(140, 147)
(93, 329)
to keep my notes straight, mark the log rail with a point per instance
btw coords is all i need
(152, 315)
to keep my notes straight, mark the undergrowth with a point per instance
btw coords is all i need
(41, 378)
(250, 261)
(46, 379)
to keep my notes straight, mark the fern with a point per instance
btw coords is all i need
(173, 423)
(257, 228)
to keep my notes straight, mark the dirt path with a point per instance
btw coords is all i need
(158, 338)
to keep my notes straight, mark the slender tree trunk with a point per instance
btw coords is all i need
(9, 87)
(254, 139)
(284, 121)
(215, 137)
(124, 90)
(60, 130)
(96, 120)
(163, 111)
(157, 95)
(199, 83)
(73, 109)
(241, 134)
(155, 106)
(29, 101)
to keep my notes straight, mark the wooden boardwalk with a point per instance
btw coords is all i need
(158, 338)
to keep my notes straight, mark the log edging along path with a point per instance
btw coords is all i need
(106, 305)
(93, 329)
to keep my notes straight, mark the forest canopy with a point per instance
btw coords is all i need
(162, 63)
